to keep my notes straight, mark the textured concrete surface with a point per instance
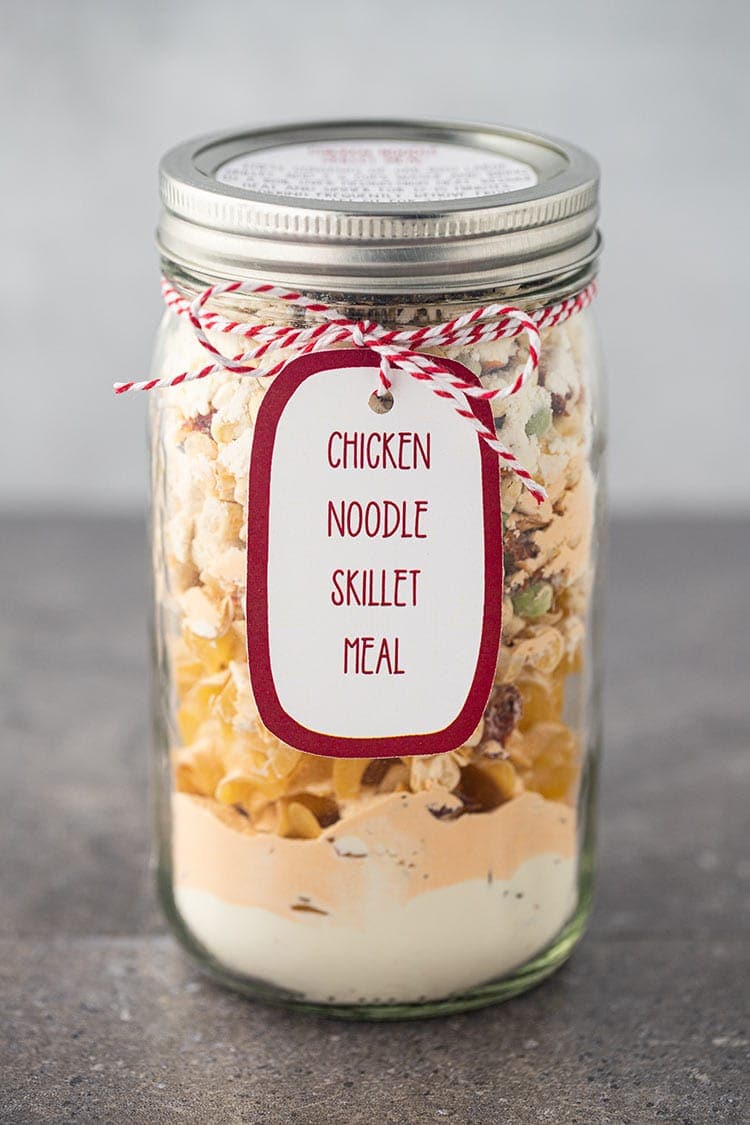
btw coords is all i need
(103, 1019)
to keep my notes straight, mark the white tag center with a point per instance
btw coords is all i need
(376, 607)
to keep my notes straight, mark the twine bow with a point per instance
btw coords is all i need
(397, 349)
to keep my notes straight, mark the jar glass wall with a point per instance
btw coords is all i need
(381, 887)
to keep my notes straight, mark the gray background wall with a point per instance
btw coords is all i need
(92, 93)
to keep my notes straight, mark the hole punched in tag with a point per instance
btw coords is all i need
(380, 404)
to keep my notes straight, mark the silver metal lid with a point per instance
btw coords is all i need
(380, 206)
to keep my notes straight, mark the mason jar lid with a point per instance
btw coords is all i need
(380, 206)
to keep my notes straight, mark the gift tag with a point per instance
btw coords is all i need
(375, 575)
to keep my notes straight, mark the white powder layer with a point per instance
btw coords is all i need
(440, 942)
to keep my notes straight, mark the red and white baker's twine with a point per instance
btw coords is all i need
(396, 347)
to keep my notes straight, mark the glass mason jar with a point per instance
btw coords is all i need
(379, 887)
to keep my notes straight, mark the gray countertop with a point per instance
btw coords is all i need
(103, 1017)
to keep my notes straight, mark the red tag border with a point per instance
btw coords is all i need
(270, 709)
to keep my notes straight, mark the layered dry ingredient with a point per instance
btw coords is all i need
(330, 877)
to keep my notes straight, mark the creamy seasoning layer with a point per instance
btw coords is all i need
(355, 917)
(478, 845)
(412, 953)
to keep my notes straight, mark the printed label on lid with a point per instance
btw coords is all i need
(374, 588)
(377, 171)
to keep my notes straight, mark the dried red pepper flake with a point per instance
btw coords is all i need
(559, 404)
(376, 771)
(502, 713)
(200, 423)
(447, 812)
(517, 546)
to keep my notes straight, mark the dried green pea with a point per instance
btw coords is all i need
(539, 422)
(534, 600)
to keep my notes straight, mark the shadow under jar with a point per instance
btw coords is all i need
(379, 887)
